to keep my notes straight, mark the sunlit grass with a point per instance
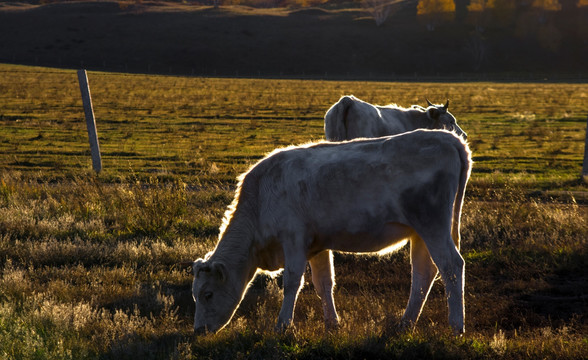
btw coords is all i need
(202, 130)
(65, 290)
(89, 265)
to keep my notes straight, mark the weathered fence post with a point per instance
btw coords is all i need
(585, 165)
(90, 121)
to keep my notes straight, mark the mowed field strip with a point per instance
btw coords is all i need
(525, 133)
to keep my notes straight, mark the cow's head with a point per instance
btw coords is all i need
(443, 119)
(216, 300)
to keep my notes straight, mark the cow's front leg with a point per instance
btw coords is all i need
(295, 264)
(323, 278)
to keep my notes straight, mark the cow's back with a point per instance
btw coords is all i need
(395, 120)
(357, 185)
(363, 119)
(352, 118)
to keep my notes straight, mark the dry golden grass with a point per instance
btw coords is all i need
(89, 264)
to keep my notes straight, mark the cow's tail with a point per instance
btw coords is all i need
(465, 156)
(336, 119)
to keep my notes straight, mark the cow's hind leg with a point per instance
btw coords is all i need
(295, 264)
(323, 278)
(423, 274)
(452, 268)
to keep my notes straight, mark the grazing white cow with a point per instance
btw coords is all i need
(366, 195)
(351, 118)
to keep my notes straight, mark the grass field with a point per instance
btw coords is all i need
(89, 262)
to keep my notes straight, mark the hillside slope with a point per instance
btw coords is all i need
(189, 39)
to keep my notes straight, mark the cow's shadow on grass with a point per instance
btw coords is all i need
(158, 347)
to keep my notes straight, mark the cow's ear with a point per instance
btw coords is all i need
(220, 271)
(197, 266)
(433, 113)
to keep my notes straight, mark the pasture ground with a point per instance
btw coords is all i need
(89, 262)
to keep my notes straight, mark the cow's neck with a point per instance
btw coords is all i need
(420, 120)
(234, 250)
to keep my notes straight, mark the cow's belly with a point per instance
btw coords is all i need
(389, 235)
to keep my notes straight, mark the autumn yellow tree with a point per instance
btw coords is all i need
(478, 6)
(547, 5)
(425, 7)
(434, 12)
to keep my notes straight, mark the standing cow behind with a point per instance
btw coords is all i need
(363, 196)
(352, 118)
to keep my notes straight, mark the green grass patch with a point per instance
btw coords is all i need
(203, 130)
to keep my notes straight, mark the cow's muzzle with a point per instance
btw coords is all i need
(200, 331)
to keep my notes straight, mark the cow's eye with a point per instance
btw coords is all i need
(207, 295)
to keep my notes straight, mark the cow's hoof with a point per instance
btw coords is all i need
(458, 332)
(283, 327)
(200, 331)
(332, 327)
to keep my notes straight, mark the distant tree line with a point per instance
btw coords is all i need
(485, 36)
(448, 9)
(484, 13)
(548, 20)
(549, 24)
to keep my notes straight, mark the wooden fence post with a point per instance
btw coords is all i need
(90, 121)
(585, 165)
